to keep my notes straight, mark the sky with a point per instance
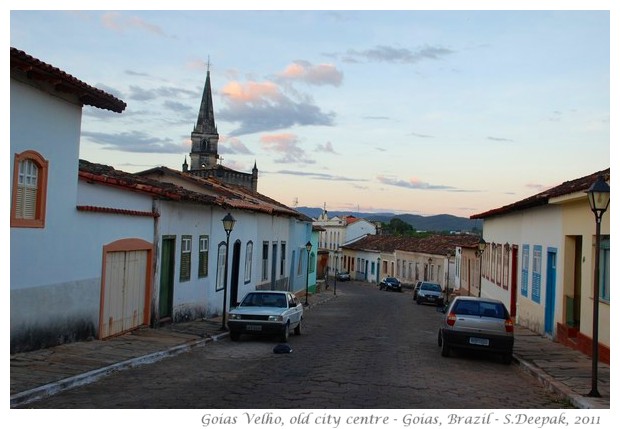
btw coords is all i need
(400, 110)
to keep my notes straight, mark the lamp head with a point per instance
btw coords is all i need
(229, 223)
(598, 196)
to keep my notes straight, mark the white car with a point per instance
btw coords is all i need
(266, 313)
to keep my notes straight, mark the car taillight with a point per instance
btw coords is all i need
(509, 325)
(451, 319)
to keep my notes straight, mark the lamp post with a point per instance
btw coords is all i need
(481, 246)
(308, 248)
(229, 223)
(598, 196)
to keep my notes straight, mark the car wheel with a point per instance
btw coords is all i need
(439, 338)
(284, 335)
(507, 358)
(445, 349)
(419, 301)
(234, 336)
(298, 328)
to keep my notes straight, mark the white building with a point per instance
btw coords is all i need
(337, 232)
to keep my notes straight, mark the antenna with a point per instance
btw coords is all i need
(295, 202)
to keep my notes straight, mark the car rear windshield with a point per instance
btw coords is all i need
(431, 286)
(480, 308)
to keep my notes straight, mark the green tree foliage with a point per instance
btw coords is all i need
(398, 227)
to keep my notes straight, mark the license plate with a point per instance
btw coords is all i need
(431, 298)
(253, 327)
(479, 341)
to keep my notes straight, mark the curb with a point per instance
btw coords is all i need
(549, 383)
(50, 389)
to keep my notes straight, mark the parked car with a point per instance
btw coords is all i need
(266, 313)
(343, 276)
(416, 289)
(429, 293)
(391, 283)
(477, 324)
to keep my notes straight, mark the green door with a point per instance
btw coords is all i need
(166, 280)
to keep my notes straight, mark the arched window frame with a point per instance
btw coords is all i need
(41, 195)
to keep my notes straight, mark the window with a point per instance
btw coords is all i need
(282, 258)
(248, 261)
(604, 262)
(312, 261)
(29, 190)
(221, 266)
(186, 257)
(536, 273)
(506, 266)
(525, 269)
(265, 266)
(203, 256)
(498, 261)
(300, 263)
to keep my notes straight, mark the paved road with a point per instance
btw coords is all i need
(363, 349)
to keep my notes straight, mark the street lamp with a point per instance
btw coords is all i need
(481, 246)
(598, 196)
(229, 223)
(308, 248)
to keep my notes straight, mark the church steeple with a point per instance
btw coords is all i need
(206, 118)
(203, 158)
(205, 137)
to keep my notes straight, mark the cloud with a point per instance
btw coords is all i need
(233, 145)
(538, 187)
(499, 139)
(120, 23)
(304, 71)
(145, 94)
(178, 107)
(320, 176)
(134, 141)
(287, 145)
(422, 136)
(264, 106)
(326, 148)
(389, 54)
(413, 183)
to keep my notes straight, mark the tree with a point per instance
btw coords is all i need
(399, 227)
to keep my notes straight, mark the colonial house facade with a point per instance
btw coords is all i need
(267, 245)
(113, 250)
(435, 258)
(539, 261)
(56, 250)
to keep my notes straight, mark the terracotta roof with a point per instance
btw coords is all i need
(109, 176)
(230, 196)
(31, 68)
(434, 244)
(570, 187)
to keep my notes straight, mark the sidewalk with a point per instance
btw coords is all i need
(41, 373)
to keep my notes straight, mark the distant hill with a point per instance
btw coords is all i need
(437, 223)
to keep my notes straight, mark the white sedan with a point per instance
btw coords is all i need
(266, 313)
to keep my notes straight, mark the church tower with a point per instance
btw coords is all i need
(204, 157)
(205, 137)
